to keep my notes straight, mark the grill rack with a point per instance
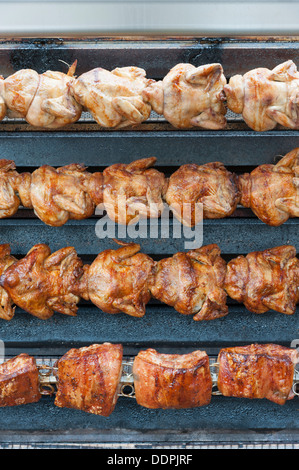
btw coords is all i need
(226, 421)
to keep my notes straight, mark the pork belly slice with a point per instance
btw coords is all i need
(19, 382)
(257, 371)
(89, 377)
(172, 380)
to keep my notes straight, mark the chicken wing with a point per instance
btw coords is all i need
(118, 280)
(193, 283)
(44, 100)
(172, 380)
(19, 382)
(41, 282)
(190, 96)
(271, 191)
(134, 191)
(257, 371)
(7, 309)
(113, 98)
(89, 377)
(202, 191)
(265, 280)
(266, 97)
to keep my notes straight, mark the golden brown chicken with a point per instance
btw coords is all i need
(257, 371)
(19, 383)
(134, 191)
(172, 380)
(44, 100)
(61, 194)
(7, 309)
(193, 283)
(113, 98)
(266, 97)
(41, 282)
(265, 280)
(190, 96)
(271, 191)
(14, 189)
(202, 191)
(118, 280)
(89, 377)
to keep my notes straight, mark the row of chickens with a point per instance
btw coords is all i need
(195, 283)
(188, 96)
(89, 378)
(130, 192)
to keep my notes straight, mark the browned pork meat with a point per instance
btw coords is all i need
(172, 380)
(19, 382)
(257, 371)
(89, 377)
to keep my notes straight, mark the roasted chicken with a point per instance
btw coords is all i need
(172, 380)
(7, 309)
(202, 191)
(61, 194)
(44, 100)
(113, 98)
(190, 96)
(257, 371)
(271, 191)
(265, 280)
(266, 97)
(41, 282)
(89, 377)
(134, 191)
(118, 280)
(193, 283)
(19, 382)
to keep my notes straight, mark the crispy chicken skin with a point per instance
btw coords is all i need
(172, 380)
(271, 191)
(257, 371)
(41, 282)
(58, 195)
(193, 283)
(266, 97)
(19, 382)
(14, 189)
(7, 310)
(44, 100)
(89, 377)
(265, 280)
(133, 191)
(118, 280)
(113, 98)
(190, 96)
(202, 191)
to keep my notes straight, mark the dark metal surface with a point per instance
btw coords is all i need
(224, 420)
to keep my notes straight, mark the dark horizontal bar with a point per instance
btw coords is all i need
(233, 148)
(155, 56)
(161, 327)
(233, 235)
(222, 413)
